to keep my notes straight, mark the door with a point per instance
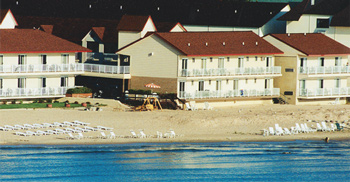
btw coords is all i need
(241, 65)
(64, 81)
(182, 89)
(267, 83)
(184, 67)
(43, 62)
(1, 63)
(221, 63)
(321, 62)
(235, 85)
(303, 65)
(201, 85)
(204, 63)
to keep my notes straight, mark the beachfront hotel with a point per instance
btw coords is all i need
(315, 68)
(224, 67)
(35, 64)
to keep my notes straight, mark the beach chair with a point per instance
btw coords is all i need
(111, 135)
(172, 133)
(325, 127)
(339, 127)
(3, 129)
(142, 134)
(90, 128)
(30, 133)
(39, 132)
(20, 134)
(279, 131)
(318, 127)
(298, 128)
(271, 131)
(159, 134)
(80, 123)
(51, 132)
(47, 125)
(8, 127)
(80, 136)
(70, 136)
(309, 129)
(37, 126)
(293, 130)
(336, 101)
(188, 107)
(80, 129)
(287, 132)
(17, 127)
(303, 129)
(104, 128)
(28, 126)
(332, 127)
(66, 123)
(57, 124)
(59, 131)
(207, 106)
(103, 135)
(133, 134)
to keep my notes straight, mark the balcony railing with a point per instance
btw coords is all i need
(40, 68)
(101, 56)
(231, 72)
(33, 92)
(52, 68)
(230, 93)
(324, 92)
(325, 70)
(98, 68)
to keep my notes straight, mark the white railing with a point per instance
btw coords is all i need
(325, 70)
(321, 92)
(102, 56)
(98, 68)
(231, 72)
(33, 92)
(40, 68)
(52, 68)
(230, 93)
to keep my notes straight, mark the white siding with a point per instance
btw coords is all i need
(8, 22)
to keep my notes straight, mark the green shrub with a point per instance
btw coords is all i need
(13, 102)
(35, 101)
(79, 90)
(41, 100)
(56, 101)
(4, 102)
(88, 103)
(134, 91)
(49, 100)
(76, 102)
(21, 101)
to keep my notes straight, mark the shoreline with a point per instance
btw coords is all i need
(231, 124)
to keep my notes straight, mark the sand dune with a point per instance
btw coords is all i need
(240, 123)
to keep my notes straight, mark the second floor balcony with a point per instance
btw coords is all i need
(324, 92)
(275, 70)
(321, 70)
(40, 68)
(273, 92)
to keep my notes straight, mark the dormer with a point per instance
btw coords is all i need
(141, 24)
(7, 20)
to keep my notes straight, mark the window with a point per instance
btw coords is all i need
(64, 81)
(227, 81)
(322, 23)
(321, 83)
(256, 58)
(337, 83)
(184, 64)
(228, 59)
(209, 82)
(246, 81)
(211, 59)
(182, 86)
(1, 83)
(204, 63)
(22, 59)
(289, 70)
(1, 59)
(21, 83)
(192, 82)
(221, 63)
(337, 61)
(321, 62)
(247, 58)
(43, 59)
(235, 84)
(193, 60)
(269, 62)
(43, 82)
(240, 62)
(218, 85)
(254, 80)
(65, 58)
(288, 93)
(201, 86)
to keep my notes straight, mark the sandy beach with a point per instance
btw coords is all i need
(240, 123)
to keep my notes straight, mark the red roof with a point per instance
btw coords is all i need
(35, 41)
(313, 44)
(132, 23)
(219, 43)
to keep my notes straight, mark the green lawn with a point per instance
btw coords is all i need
(37, 105)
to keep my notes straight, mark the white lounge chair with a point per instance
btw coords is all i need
(70, 136)
(133, 134)
(325, 127)
(80, 123)
(21, 134)
(287, 132)
(30, 133)
(104, 128)
(207, 106)
(67, 123)
(51, 132)
(265, 132)
(4, 129)
(8, 127)
(172, 133)
(293, 130)
(188, 107)
(80, 129)
(47, 125)
(298, 128)
(69, 130)
(159, 134)
(271, 131)
(142, 134)
(29, 126)
(112, 135)
(59, 131)
(17, 127)
(318, 127)
(90, 128)
(336, 101)
(279, 131)
(332, 127)
(309, 128)
(37, 126)
(103, 135)
(39, 132)
(57, 124)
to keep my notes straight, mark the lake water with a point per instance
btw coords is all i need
(229, 161)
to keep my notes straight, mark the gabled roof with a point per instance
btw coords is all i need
(106, 34)
(321, 7)
(217, 43)
(72, 29)
(133, 23)
(313, 44)
(342, 18)
(167, 26)
(35, 41)
(3, 13)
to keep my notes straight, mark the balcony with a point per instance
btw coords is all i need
(40, 68)
(16, 93)
(92, 56)
(325, 70)
(324, 92)
(107, 71)
(276, 70)
(274, 92)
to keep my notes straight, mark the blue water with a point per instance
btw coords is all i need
(236, 161)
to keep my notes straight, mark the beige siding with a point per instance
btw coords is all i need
(306, 24)
(151, 57)
(287, 50)
(125, 38)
